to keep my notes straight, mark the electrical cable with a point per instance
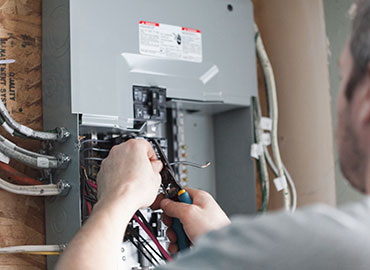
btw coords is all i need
(272, 100)
(135, 234)
(152, 248)
(49, 253)
(29, 158)
(93, 141)
(261, 162)
(141, 251)
(141, 216)
(146, 223)
(192, 164)
(91, 184)
(93, 159)
(95, 149)
(18, 176)
(141, 240)
(33, 249)
(151, 236)
(14, 128)
(89, 208)
(39, 190)
(288, 176)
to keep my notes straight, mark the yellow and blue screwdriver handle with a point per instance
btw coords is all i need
(174, 191)
(183, 241)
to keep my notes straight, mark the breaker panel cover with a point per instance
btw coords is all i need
(168, 44)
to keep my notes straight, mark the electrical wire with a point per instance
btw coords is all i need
(89, 208)
(93, 159)
(272, 100)
(192, 164)
(152, 248)
(141, 240)
(151, 236)
(91, 184)
(27, 157)
(143, 219)
(18, 176)
(261, 162)
(33, 249)
(14, 128)
(82, 143)
(138, 247)
(39, 190)
(50, 253)
(288, 176)
(95, 149)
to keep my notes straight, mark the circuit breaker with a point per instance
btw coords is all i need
(181, 72)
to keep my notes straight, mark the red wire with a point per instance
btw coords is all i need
(89, 210)
(17, 176)
(159, 246)
(92, 184)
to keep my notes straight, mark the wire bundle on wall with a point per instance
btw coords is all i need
(29, 186)
(276, 164)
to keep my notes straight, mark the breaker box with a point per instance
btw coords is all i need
(182, 72)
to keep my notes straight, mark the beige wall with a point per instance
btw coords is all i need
(295, 39)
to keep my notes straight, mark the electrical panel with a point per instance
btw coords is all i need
(199, 51)
(180, 72)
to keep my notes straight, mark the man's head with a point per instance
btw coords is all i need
(353, 130)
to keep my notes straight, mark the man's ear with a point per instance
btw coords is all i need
(361, 106)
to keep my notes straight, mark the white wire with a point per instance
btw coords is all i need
(272, 98)
(37, 190)
(31, 248)
(26, 131)
(288, 176)
(27, 157)
(263, 169)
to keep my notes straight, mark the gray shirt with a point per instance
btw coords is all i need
(316, 237)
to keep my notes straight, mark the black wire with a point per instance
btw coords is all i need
(146, 223)
(141, 251)
(160, 255)
(137, 236)
(92, 200)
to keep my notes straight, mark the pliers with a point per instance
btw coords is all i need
(174, 191)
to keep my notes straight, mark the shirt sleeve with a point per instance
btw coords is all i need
(318, 237)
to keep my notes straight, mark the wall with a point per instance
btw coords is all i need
(295, 39)
(21, 217)
(338, 27)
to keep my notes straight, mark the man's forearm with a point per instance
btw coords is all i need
(96, 245)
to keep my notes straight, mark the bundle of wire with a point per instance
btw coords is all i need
(27, 157)
(93, 151)
(14, 128)
(275, 163)
(146, 227)
(29, 187)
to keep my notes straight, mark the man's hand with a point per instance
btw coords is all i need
(129, 179)
(202, 216)
(130, 167)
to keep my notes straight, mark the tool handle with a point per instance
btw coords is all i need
(183, 241)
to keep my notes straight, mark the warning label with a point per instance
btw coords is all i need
(169, 41)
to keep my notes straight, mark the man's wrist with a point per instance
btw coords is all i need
(119, 201)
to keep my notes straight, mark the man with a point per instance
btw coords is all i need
(318, 237)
